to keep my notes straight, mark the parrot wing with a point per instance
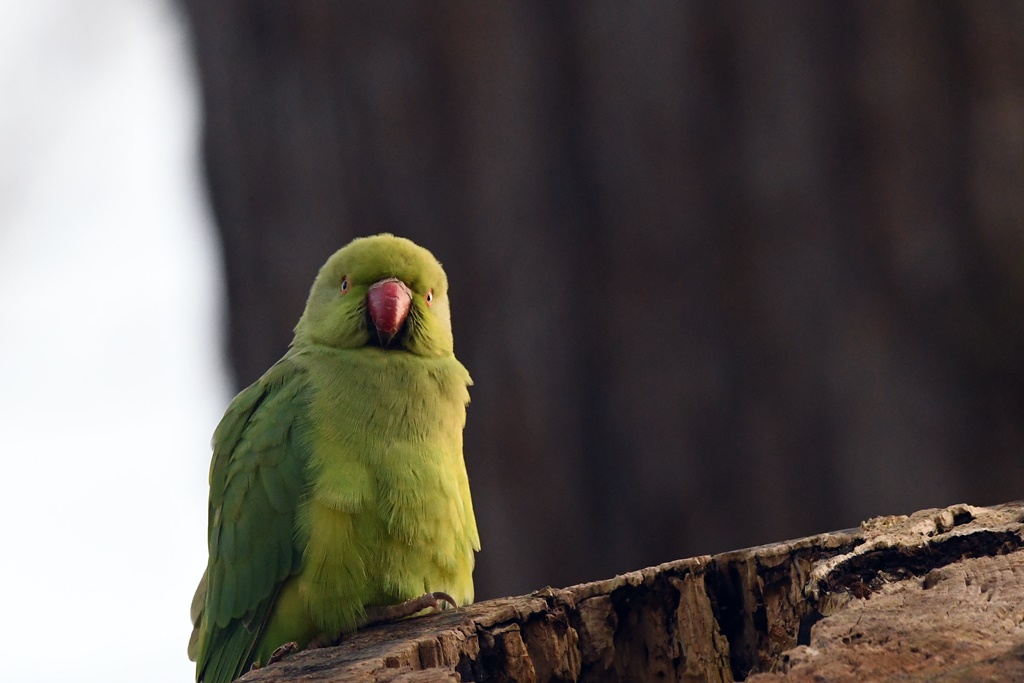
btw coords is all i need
(258, 473)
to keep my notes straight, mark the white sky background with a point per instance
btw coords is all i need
(110, 348)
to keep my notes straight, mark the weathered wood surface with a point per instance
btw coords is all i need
(937, 595)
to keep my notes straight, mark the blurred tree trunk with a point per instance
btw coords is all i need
(723, 272)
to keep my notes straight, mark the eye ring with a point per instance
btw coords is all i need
(344, 285)
(430, 296)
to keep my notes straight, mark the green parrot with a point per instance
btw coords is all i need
(338, 489)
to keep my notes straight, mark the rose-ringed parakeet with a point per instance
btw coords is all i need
(338, 486)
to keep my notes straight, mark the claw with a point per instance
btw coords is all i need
(439, 596)
(282, 652)
(385, 613)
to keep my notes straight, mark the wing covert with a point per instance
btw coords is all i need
(257, 475)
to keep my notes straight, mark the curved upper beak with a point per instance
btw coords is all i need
(388, 302)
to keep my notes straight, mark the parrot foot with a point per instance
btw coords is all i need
(384, 613)
(282, 652)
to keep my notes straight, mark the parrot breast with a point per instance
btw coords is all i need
(389, 515)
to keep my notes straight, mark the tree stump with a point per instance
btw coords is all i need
(936, 595)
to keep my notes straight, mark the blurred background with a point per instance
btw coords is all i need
(724, 273)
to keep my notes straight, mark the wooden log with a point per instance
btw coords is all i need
(936, 595)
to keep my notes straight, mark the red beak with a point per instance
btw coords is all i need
(388, 302)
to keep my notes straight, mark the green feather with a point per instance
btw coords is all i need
(245, 529)
(337, 480)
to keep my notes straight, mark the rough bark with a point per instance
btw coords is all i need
(937, 595)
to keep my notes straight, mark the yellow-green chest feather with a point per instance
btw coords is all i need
(388, 515)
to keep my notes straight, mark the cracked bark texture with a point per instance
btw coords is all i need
(934, 596)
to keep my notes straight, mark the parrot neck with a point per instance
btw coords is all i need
(398, 396)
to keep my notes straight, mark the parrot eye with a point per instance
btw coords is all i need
(430, 296)
(344, 285)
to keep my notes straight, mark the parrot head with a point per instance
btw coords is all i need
(382, 291)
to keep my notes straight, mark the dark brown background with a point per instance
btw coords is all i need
(724, 272)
